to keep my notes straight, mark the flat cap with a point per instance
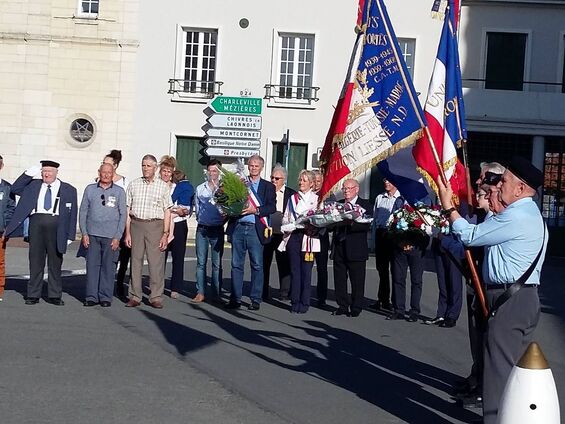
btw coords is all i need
(51, 163)
(527, 172)
(491, 178)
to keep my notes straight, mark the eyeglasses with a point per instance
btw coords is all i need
(348, 188)
(276, 178)
(103, 200)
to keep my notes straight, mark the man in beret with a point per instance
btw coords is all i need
(515, 240)
(51, 206)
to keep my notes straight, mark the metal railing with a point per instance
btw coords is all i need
(535, 86)
(195, 88)
(291, 92)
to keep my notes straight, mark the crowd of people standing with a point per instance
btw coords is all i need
(147, 219)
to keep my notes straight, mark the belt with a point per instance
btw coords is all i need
(211, 226)
(134, 218)
(504, 286)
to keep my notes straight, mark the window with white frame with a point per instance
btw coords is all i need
(408, 51)
(196, 63)
(88, 8)
(296, 63)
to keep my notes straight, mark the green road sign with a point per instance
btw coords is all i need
(243, 105)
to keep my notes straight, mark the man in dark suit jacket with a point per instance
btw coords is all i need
(350, 252)
(51, 205)
(250, 233)
(282, 193)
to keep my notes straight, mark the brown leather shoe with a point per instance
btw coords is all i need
(132, 303)
(157, 304)
(199, 298)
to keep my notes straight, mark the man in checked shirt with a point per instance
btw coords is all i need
(147, 231)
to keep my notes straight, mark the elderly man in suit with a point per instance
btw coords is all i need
(250, 232)
(51, 205)
(283, 193)
(350, 252)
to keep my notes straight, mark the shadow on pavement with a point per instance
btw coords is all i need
(373, 372)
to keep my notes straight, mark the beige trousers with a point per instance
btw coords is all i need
(145, 238)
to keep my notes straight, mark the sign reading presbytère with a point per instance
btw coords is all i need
(240, 105)
(233, 153)
(235, 127)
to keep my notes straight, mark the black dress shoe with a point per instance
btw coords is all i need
(413, 317)
(340, 311)
(32, 301)
(57, 301)
(89, 303)
(355, 313)
(321, 304)
(105, 304)
(232, 304)
(255, 306)
(395, 316)
(448, 323)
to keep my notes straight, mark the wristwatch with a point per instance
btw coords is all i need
(447, 212)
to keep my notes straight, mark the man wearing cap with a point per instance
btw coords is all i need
(516, 240)
(470, 392)
(7, 206)
(51, 205)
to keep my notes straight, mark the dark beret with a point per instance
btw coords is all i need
(527, 172)
(49, 163)
(491, 178)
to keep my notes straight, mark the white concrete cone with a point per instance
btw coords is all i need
(530, 396)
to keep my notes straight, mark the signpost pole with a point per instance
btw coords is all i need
(287, 150)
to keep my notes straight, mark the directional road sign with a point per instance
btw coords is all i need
(232, 142)
(227, 133)
(232, 153)
(241, 122)
(243, 105)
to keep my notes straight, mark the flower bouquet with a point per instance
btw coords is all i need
(231, 195)
(411, 225)
(334, 213)
(330, 215)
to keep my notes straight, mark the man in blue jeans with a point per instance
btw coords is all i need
(250, 232)
(210, 232)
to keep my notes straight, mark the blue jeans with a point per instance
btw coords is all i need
(245, 238)
(212, 236)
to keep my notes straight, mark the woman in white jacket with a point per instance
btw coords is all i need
(301, 244)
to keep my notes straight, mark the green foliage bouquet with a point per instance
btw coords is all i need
(231, 196)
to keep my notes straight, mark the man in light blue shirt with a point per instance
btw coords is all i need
(515, 239)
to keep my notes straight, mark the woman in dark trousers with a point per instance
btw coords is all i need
(181, 193)
(114, 158)
(300, 244)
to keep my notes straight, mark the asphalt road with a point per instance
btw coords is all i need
(202, 364)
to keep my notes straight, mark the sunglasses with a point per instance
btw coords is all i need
(276, 178)
(103, 200)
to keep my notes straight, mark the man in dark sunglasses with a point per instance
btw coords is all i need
(102, 222)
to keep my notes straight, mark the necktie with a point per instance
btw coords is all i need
(47, 199)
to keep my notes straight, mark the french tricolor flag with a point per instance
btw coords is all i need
(444, 111)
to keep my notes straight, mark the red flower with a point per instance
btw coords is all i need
(418, 222)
